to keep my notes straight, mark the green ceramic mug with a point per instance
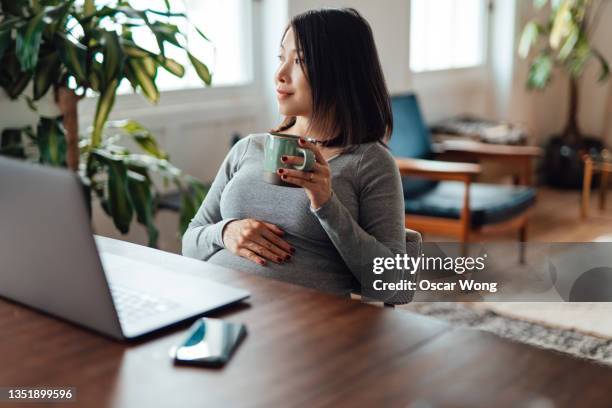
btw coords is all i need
(278, 145)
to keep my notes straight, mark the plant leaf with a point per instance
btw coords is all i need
(569, 44)
(139, 188)
(188, 210)
(14, 7)
(73, 56)
(105, 104)
(47, 71)
(12, 78)
(145, 81)
(5, 40)
(562, 22)
(143, 137)
(201, 33)
(528, 38)
(540, 72)
(605, 67)
(28, 42)
(54, 16)
(201, 69)
(118, 202)
(165, 13)
(51, 141)
(113, 56)
(171, 66)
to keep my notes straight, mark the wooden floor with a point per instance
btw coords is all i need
(556, 218)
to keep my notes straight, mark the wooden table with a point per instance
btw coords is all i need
(591, 167)
(304, 348)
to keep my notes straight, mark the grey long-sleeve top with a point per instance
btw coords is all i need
(335, 244)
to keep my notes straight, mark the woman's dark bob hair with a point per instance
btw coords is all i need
(349, 95)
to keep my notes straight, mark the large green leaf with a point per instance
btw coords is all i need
(540, 71)
(12, 78)
(201, 69)
(118, 201)
(55, 16)
(165, 32)
(562, 24)
(74, 57)
(113, 56)
(570, 42)
(139, 188)
(51, 141)
(47, 71)
(28, 42)
(132, 50)
(103, 108)
(145, 81)
(143, 137)
(171, 66)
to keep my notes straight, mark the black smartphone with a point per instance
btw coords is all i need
(210, 342)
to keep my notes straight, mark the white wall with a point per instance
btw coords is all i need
(442, 94)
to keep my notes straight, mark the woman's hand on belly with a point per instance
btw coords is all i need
(256, 241)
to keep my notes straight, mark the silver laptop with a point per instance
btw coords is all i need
(49, 261)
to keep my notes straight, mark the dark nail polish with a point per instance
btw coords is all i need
(287, 258)
(283, 158)
(301, 141)
(292, 250)
(279, 259)
(280, 171)
(284, 177)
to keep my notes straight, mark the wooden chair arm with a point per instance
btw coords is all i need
(479, 150)
(437, 170)
(521, 157)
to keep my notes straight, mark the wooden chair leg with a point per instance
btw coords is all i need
(603, 189)
(586, 187)
(522, 241)
(465, 220)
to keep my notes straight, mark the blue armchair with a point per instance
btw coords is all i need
(441, 197)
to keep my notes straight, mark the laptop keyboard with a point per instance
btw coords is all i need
(133, 305)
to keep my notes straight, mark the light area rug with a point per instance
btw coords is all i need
(590, 318)
(580, 329)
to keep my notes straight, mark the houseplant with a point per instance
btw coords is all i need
(563, 41)
(73, 48)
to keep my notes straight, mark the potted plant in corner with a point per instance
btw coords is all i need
(71, 48)
(564, 41)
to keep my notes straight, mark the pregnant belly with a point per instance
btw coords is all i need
(317, 272)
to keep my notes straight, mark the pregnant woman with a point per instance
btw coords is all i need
(349, 209)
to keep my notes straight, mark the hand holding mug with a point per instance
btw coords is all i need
(316, 182)
(257, 241)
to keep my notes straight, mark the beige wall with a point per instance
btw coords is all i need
(545, 111)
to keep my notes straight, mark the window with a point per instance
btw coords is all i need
(446, 34)
(228, 25)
